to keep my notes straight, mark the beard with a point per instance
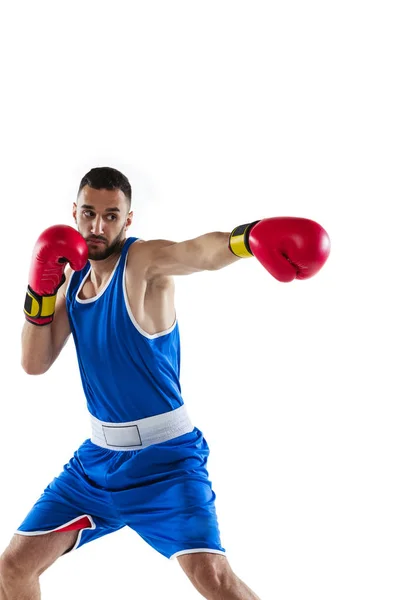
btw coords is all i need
(105, 250)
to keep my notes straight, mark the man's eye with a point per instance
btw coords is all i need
(88, 213)
(112, 217)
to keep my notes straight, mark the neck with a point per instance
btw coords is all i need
(102, 269)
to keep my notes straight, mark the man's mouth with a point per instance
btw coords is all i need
(95, 241)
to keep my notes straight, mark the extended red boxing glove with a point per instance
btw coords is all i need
(288, 247)
(55, 247)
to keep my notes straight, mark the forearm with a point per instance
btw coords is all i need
(37, 348)
(211, 251)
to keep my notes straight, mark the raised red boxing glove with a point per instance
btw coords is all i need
(288, 247)
(55, 247)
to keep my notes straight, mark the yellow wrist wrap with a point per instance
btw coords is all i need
(239, 240)
(39, 306)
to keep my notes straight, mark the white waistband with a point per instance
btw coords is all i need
(135, 435)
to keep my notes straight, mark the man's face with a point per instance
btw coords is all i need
(102, 218)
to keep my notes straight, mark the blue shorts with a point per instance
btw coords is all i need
(162, 492)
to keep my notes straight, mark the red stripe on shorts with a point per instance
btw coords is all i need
(81, 523)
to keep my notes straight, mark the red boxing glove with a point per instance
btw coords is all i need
(288, 247)
(55, 247)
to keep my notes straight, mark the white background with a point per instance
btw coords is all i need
(222, 113)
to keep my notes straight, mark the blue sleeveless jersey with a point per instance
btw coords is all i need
(126, 373)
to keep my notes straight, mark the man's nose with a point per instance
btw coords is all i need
(97, 226)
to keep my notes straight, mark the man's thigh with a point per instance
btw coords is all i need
(33, 555)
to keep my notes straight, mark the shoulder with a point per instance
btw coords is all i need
(143, 255)
(147, 248)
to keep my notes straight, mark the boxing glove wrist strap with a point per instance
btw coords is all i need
(39, 310)
(239, 240)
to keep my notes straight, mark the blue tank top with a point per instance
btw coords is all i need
(127, 374)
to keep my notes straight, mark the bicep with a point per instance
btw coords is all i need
(164, 259)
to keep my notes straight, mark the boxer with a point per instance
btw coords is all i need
(145, 464)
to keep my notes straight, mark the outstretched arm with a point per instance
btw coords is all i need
(207, 252)
(288, 247)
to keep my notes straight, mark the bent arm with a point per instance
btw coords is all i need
(41, 345)
(207, 252)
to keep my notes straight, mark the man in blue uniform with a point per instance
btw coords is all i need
(145, 465)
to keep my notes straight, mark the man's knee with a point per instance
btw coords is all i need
(11, 570)
(208, 572)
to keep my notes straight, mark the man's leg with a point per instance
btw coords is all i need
(26, 558)
(212, 576)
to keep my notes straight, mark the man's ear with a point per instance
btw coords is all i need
(74, 209)
(129, 219)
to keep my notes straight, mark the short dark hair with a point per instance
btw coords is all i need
(107, 178)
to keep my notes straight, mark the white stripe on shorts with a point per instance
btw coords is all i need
(195, 551)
